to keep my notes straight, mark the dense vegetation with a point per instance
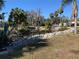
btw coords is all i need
(28, 23)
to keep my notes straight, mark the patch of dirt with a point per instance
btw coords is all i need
(60, 47)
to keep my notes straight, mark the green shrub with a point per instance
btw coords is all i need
(24, 32)
(63, 28)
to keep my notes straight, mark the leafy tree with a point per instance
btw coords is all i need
(34, 19)
(4, 40)
(51, 15)
(18, 16)
(54, 19)
(1, 4)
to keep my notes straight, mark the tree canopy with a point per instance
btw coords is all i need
(1, 4)
(18, 16)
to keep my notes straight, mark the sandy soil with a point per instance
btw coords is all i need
(60, 47)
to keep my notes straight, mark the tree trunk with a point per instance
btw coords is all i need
(75, 25)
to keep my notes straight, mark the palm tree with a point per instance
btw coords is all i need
(74, 11)
(75, 14)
